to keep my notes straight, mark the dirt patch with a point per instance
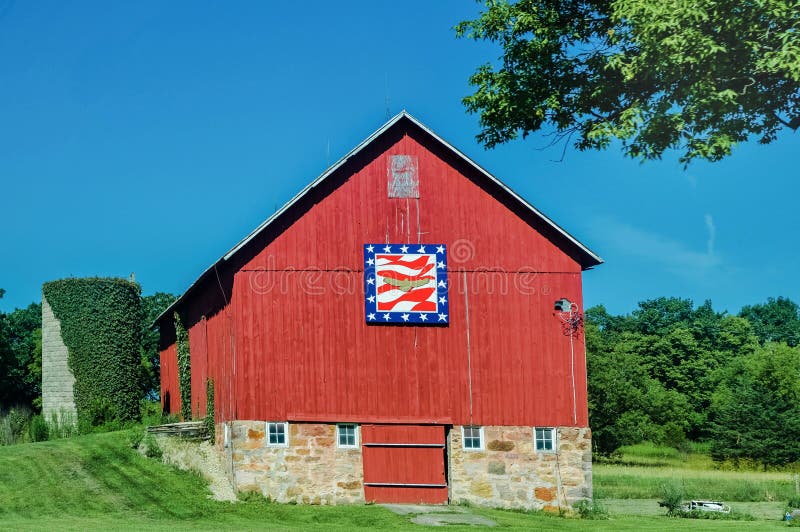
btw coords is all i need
(440, 515)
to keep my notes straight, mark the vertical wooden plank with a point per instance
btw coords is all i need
(314, 354)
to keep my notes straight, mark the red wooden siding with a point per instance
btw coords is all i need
(211, 342)
(170, 391)
(305, 355)
(451, 209)
(198, 340)
(293, 344)
(404, 464)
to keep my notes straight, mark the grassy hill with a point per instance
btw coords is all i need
(98, 481)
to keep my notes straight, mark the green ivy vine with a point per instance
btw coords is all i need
(184, 367)
(209, 419)
(100, 325)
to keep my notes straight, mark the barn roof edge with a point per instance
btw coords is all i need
(592, 258)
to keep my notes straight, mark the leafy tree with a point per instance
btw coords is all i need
(777, 320)
(627, 405)
(7, 362)
(25, 326)
(20, 337)
(669, 349)
(152, 306)
(756, 410)
(697, 77)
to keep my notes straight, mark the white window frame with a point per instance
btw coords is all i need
(481, 440)
(553, 439)
(285, 433)
(356, 437)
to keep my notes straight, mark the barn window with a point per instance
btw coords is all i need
(347, 435)
(403, 173)
(544, 439)
(277, 434)
(472, 438)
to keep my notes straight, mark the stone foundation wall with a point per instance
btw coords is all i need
(310, 470)
(509, 473)
(57, 379)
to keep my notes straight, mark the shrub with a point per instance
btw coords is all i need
(672, 495)
(794, 502)
(18, 422)
(700, 514)
(135, 437)
(151, 447)
(588, 509)
(38, 429)
(14, 426)
(151, 413)
(61, 426)
(253, 497)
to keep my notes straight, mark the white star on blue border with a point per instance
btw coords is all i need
(437, 317)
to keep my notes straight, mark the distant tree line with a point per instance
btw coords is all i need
(21, 353)
(670, 373)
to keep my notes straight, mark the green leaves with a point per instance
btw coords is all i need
(184, 367)
(777, 320)
(20, 356)
(100, 325)
(695, 76)
(756, 410)
(668, 371)
(152, 307)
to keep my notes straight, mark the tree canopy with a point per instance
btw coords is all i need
(21, 356)
(777, 320)
(697, 77)
(756, 409)
(152, 306)
(671, 371)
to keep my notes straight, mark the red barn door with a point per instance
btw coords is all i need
(404, 463)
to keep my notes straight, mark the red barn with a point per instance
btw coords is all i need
(390, 335)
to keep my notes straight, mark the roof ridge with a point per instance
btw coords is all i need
(403, 114)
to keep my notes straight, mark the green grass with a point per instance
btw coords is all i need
(638, 471)
(97, 481)
(633, 482)
(648, 454)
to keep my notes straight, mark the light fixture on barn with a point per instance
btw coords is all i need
(571, 322)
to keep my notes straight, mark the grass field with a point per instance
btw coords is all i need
(630, 482)
(99, 482)
(642, 469)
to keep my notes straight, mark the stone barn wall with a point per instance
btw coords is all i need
(57, 378)
(311, 469)
(509, 473)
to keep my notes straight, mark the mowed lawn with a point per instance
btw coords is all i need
(99, 482)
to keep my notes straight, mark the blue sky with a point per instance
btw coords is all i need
(149, 137)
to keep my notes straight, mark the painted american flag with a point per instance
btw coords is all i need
(406, 283)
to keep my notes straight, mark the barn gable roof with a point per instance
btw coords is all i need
(585, 256)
